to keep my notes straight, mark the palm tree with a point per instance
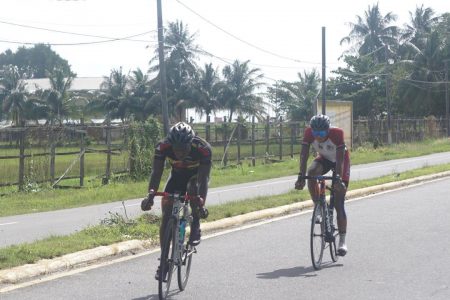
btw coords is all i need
(237, 92)
(58, 100)
(180, 52)
(301, 95)
(373, 32)
(12, 87)
(115, 96)
(141, 101)
(421, 24)
(422, 88)
(206, 91)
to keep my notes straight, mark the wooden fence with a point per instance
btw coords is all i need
(38, 154)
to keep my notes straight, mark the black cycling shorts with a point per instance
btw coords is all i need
(179, 179)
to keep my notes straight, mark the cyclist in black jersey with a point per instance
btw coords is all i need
(190, 158)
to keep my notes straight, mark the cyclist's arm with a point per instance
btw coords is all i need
(304, 154)
(202, 179)
(340, 151)
(155, 177)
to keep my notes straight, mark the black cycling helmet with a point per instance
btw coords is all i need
(320, 122)
(180, 134)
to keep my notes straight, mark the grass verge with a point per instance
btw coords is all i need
(116, 228)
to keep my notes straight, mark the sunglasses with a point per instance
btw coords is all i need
(320, 133)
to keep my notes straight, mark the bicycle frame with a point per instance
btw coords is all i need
(328, 208)
(180, 211)
(180, 254)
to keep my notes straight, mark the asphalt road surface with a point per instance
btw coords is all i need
(398, 249)
(30, 227)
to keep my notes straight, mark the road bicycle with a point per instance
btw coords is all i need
(176, 253)
(323, 222)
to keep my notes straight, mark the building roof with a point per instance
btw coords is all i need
(78, 84)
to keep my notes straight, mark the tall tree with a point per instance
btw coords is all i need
(421, 23)
(373, 32)
(12, 88)
(238, 93)
(302, 95)
(142, 101)
(36, 61)
(115, 96)
(206, 91)
(181, 53)
(57, 98)
(421, 93)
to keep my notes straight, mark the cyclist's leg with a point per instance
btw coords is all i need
(340, 196)
(195, 234)
(315, 169)
(166, 205)
(340, 205)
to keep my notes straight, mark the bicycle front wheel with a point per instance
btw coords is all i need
(317, 235)
(333, 250)
(185, 266)
(167, 260)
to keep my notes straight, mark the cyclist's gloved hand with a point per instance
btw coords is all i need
(147, 202)
(202, 210)
(338, 184)
(300, 183)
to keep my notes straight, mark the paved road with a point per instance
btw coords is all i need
(26, 228)
(398, 249)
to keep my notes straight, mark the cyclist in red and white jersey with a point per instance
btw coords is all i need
(329, 143)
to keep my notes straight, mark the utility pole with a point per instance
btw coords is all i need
(162, 70)
(447, 104)
(388, 97)
(324, 102)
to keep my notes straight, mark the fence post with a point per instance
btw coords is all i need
(21, 159)
(281, 138)
(292, 138)
(253, 142)
(267, 133)
(52, 154)
(239, 136)
(108, 156)
(225, 138)
(82, 149)
(208, 128)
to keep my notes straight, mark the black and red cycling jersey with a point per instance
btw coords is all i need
(200, 154)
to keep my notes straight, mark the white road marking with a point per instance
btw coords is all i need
(10, 223)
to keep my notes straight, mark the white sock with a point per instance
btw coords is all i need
(341, 239)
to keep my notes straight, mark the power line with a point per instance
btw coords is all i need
(243, 41)
(74, 33)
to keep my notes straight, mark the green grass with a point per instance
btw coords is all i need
(45, 199)
(116, 228)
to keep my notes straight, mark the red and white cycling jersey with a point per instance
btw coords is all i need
(326, 149)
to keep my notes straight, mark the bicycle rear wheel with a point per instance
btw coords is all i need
(317, 235)
(185, 266)
(167, 260)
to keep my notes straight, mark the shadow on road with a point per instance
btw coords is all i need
(172, 294)
(294, 272)
(150, 297)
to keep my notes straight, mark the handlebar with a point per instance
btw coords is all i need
(175, 196)
(181, 197)
(320, 177)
